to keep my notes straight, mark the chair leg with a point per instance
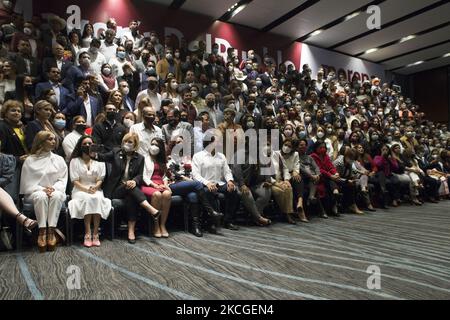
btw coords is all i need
(112, 223)
(186, 218)
(19, 234)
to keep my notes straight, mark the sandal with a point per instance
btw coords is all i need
(156, 216)
(31, 226)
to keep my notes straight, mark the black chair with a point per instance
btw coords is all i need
(28, 210)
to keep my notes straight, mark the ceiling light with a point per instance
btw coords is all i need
(351, 16)
(371, 50)
(446, 55)
(415, 63)
(315, 33)
(407, 38)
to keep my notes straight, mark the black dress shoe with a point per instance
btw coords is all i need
(371, 210)
(196, 231)
(131, 241)
(213, 229)
(231, 226)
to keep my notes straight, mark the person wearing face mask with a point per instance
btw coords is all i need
(348, 181)
(175, 128)
(70, 141)
(210, 167)
(25, 62)
(110, 131)
(171, 92)
(107, 79)
(168, 65)
(28, 33)
(291, 161)
(156, 184)
(97, 58)
(327, 188)
(229, 114)
(409, 140)
(197, 100)
(118, 62)
(125, 180)
(85, 104)
(128, 120)
(146, 130)
(75, 74)
(288, 131)
(322, 136)
(88, 201)
(436, 170)
(151, 93)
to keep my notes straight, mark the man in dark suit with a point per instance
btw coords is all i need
(75, 74)
(63, 96)
(128, 103)
(25, 63)
(85, 105)
(56, 61)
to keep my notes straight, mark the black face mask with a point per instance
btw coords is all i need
(151, 86)
(210, 103)
(80, 128)
(28, 88)
(85, 149)
(149, 119)
(184, 119)
(173, 122)
(111, 115)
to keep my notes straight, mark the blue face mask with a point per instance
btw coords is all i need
(121, 55)
(60, 124)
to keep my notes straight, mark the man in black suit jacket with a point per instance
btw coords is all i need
(25, 63)
(63, 96)
(56, 61)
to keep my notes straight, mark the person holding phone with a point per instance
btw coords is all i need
(88, 202)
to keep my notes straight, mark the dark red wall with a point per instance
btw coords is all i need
(431, 93)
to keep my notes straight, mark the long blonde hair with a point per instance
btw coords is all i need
(39, 140)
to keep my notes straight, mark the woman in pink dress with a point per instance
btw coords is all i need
(156, 185)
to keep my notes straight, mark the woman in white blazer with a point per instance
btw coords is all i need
(43, 181)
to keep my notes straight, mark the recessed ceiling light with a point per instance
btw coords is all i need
(371, 50)
(407, 38)
(415, 63)
(315, 33)
(351, 16)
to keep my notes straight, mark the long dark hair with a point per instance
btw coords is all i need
(161, 158)
(77, 150)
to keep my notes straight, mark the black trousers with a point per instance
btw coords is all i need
(132, 197)
(231, 202)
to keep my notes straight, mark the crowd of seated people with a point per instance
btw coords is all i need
(97, 117)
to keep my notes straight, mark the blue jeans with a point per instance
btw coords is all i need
(187, 190)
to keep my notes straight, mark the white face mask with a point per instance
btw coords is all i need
(329, 131)
(287, 149)
(194, 94)
(250, 124)
(126, 91)
(307, 119)
(320, 134)
(288, 132)
(154, 150)
(128, 147)
(214, 85)
(128, 123)
(107, 71)
(27, 31)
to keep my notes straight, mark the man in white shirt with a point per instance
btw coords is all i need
(97, 58)
(211, 169)
(146, 130)
(108, 48)
(151, 93)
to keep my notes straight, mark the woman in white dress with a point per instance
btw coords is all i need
(43, 182)
(88, 202)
